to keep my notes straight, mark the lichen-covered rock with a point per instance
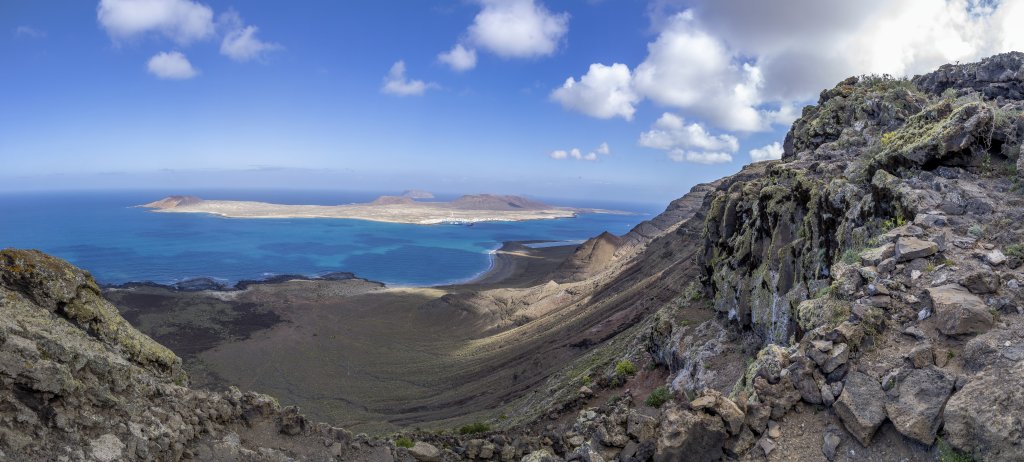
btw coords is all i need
(921, 395)
(686, 435)
(861, 406)
(986, 417)
(959, 312)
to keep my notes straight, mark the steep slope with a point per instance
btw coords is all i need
(79, 383)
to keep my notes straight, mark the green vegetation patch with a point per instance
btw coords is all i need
(625, 368)
(659, 396)
(404, 442)
(475, 427)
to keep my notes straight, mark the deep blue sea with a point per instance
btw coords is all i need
(117, 243)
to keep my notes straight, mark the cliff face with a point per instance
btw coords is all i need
(858, 162)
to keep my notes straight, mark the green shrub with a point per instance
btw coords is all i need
(475, 427)
(1015, 250)
(658, 397)
(948, 454)
(976, 230)
(851, 256)
(625, 368)
(404, 442)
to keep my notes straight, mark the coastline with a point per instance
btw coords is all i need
(510, 262)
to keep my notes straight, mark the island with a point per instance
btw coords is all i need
(405, 208)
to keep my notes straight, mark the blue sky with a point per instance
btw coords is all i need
(195, 93)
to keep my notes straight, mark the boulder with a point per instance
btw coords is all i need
(917, 411)
(541, 455)
(986, 417)
(686, 435)
(981, 282)
(995, 257)
(837, 357)
(425, 452)
(909, 248)
(861, 406)
(874, 256)
(959, 312)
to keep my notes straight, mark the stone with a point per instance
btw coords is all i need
(909, 248)
(822, 345)
(686, 435)
(774, 432)
(995, 257)
(930, 220)
(837, 357)
(640, 426)
(886, 266)
(766, 445)
(487, 450)
(984, 417)
(425, 452)
(981, 282)
(861, 406)
(915, 332)
(959, 312)
(922, 395)
(741, 443)
(757, 416)
(874, 256)
(921, 355)
(827, 398)
(541, 455)
(830, 443)
(703, 402)
(106, 448)
(730, 414)
(586, 392)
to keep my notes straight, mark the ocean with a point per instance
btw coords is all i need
(103, 233)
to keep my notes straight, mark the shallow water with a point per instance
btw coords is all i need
(117, 243)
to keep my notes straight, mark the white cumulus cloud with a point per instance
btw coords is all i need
(603, 92)
(688, 142)
(240, 41)
(183, 21)
(770, 152)
(459, 58)
(671, 131)
(396, 83)
(577, 154)
(517, 28)
(171, 65)
(743, 66)
(509, 29)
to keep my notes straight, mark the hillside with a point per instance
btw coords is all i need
(859, 299)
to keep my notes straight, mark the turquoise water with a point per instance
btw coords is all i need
(101, 232)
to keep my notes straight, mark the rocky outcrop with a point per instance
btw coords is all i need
(79, 383)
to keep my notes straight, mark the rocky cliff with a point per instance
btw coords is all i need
(860, 299)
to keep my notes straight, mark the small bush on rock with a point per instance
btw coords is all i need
(475, 427)
(625, 368)
(658, 397)
(404, 442)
